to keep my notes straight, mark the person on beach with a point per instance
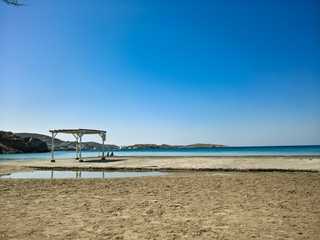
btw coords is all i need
(111, 155)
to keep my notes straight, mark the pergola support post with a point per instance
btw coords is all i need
(52, 149)
(103, 136)
(77, 145)
(80, 136)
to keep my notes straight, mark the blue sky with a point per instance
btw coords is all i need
(178, 72)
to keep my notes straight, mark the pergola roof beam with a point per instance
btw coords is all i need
(78, 131)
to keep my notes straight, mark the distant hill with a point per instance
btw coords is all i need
(155, 146)
(60, 145)
(44, 138)
(204, 145)
(99, 145)
(11, 143)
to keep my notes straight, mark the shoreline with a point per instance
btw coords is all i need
(174, 163)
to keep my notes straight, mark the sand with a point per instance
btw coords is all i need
(238, 163)
(183, 205)
(203, 205)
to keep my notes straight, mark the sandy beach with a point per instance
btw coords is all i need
(180, 206)
(163, 163)
(183, 205)
(159, 120)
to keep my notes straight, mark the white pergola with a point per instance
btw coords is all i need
(78, 133)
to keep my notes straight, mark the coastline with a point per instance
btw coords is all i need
(175, 163)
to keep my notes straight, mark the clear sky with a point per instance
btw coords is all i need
(177, 72)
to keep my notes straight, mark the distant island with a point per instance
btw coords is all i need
(34, 142)
(155, 146)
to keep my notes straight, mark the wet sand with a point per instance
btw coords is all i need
(189, 204)
(239, 163)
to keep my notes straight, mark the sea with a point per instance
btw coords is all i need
(313, 150)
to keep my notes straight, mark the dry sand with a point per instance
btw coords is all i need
(184, 205)
(179, 206)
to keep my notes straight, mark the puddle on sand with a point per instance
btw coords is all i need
(79, 174)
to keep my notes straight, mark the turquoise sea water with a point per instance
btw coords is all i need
(225, 151)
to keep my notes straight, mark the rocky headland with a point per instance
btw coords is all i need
(11, 143)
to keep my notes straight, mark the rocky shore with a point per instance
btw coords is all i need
(11, 143)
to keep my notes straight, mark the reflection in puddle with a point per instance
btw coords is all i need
(80, 174)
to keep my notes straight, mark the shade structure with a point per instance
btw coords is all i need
(78, 133)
